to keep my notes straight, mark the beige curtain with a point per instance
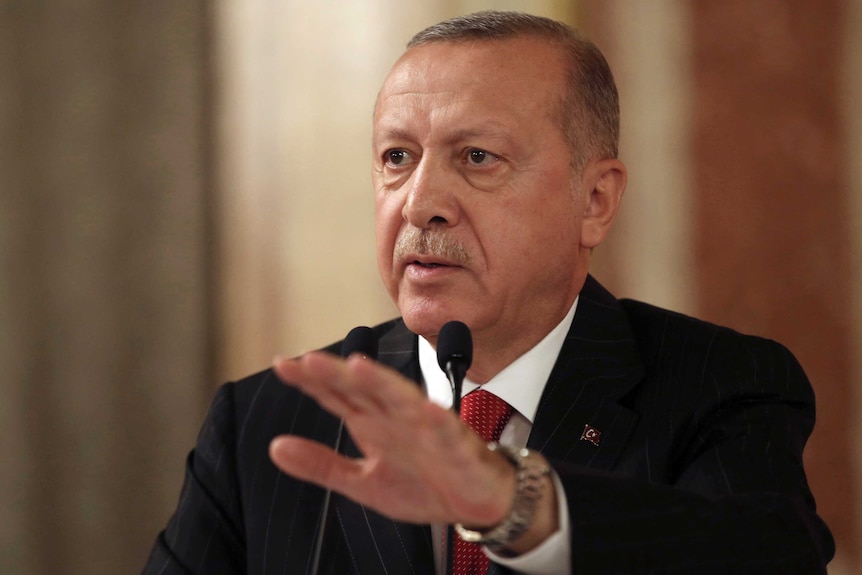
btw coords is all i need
(104, 334)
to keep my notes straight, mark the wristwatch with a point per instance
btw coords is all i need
(531, 470)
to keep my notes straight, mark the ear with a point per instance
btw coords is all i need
(603, 184)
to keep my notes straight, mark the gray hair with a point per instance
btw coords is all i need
(589, 111)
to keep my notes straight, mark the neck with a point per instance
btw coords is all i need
(491, 355)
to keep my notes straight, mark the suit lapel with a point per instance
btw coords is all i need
(376, 543)
(580, 418)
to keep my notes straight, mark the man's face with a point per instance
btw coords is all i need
(478, 209)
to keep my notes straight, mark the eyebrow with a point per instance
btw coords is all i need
(392, 134)
(494, 130)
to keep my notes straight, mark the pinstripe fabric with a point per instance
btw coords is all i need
(698, 466)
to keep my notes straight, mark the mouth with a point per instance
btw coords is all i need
(423, 267)
(428, 261)
(429, 265)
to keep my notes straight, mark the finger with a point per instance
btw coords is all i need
(324, 383)
(365, 385)
(387, 387)
(311, 461)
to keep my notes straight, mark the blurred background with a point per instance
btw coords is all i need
(185, 191)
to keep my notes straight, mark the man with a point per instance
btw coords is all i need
(659, 444)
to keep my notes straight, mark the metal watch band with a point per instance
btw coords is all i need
(528, 491)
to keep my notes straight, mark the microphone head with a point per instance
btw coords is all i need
(455, 345)
(360, 340)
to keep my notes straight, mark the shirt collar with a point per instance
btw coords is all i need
(520, 383)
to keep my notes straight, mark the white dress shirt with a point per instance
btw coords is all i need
(521, 385)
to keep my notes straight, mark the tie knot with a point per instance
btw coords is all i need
(485, 413)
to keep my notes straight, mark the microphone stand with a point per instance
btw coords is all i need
(457, 384)
(324, 512)
(454, 355)
(360, 340)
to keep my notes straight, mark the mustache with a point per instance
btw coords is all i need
(432, 243)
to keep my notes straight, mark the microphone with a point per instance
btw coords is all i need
(455, 355)
(360, 340)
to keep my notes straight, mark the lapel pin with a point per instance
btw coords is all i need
(591, 434)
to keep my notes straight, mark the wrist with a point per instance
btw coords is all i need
(531, 517)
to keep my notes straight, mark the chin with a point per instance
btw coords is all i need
(423, 325)
(427, 318)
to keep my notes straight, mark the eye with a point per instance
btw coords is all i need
(396, 157)
(478, 157)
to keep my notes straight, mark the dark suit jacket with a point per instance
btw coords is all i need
(697, 468)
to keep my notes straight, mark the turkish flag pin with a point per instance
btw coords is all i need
(591, 434)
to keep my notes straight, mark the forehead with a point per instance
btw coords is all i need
(520, 79)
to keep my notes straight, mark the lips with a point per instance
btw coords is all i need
(430, 265)
(429, 262)
(425, 268)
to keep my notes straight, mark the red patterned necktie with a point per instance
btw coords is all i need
(487, 415)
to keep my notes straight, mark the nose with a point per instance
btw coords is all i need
(431, 199)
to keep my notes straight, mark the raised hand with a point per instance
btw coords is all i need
(421, 463)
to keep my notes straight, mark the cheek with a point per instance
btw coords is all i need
(543, 237)
(388, 220)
